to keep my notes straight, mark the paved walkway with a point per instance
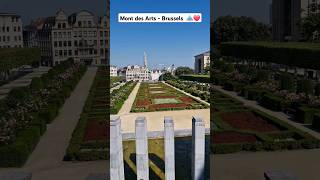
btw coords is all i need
(182, 119)
(280, 115)
(250, 166)
(117, 87)
(46, 160)
(126, 107)
(22, 81)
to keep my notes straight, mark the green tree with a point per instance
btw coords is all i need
(309, 25)
(183, 71)
(229, 28)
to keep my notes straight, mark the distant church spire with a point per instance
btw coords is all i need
(145, 60)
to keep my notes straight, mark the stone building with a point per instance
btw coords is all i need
(136, 73)
(113, 71)
(201, 62)
(10, 31)
(286, 16)
(80, 36)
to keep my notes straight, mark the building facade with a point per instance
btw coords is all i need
(137, 73)
(113, 71)
(286, 16)
(201, 62)
(80, 36)
(10, 31)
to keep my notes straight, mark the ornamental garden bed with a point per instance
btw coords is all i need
(163, 98)
(25, 112)
(239, 128)
(90, 139)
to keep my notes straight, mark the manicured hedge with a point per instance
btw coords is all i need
(16, 152)
(316, 122)
(304, 55)
(273, 102)
(305, 114)
(197, 78)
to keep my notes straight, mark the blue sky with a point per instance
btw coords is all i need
(165, 43)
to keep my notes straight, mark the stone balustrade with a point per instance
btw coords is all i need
(142, 159)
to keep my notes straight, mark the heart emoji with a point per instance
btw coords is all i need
(196, 17)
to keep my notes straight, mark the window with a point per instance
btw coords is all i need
(8, 29)
(75, 34)
(55, 34)
(12, 19)
(19, 38)
(55, 44)
(15, 38)
(75, 43)
(59, 25)
(69, 34)
(79, 23)
(101, 33)
(60, 52)
(64, 43)
(15, 29)
(8, 38)
(59, 34)
(69, 43)
(60, 43)
(64, 25)
(65, 53)
(70, 52)
(3, 29)
(76, 52)
(19, 29)
(64, 34)
(89, 23)
(56, 53)
(85, 34)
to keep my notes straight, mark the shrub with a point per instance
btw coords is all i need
(286, 82)
(273, 102)
(317, 89)
(316, 121)
(305, 86)
(305, 114)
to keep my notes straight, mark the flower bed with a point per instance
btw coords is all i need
(118, 96)
(25, 112)
(248, 121)
(90, 139)
(239, 128)
(162, 98)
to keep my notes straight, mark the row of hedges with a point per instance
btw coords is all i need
(94, 110)
(197, 78)
(303, 55)
(34, 107)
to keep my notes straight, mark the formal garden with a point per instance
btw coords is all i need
(236, 127)
(252, 70)
(161, 97)
(90, 139)
(26, 111)
(195, 88)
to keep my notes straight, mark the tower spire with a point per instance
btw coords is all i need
(145, 60)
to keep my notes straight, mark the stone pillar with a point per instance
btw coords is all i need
(116, 152)
(142, 158)
(198, 149)
(169, 148)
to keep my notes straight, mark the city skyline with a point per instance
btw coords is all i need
(165, 43)
(46, 8)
